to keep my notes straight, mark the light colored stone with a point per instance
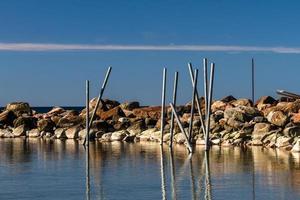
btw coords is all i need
(296, 147)
(33, 133)
(6, 133)
(19, 131)
(283, 141)
(106, 137)
(119, 135)
(216, 141)
(73, 132)
(277, 118)
(60, 133)
(180, 138)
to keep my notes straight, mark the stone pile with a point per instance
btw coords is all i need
(267, 122)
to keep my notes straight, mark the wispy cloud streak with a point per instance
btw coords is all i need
(88, 47)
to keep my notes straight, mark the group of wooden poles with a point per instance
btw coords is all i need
(208, 92)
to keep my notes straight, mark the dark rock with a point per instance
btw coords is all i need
(228, 99)
(28, 122)
(69, 121)
(45, 125)
(7, 117)
(265, 100)
(130, 105)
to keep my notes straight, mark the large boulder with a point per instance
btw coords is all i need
(19, 108)
(242, 102)
(28, 122)
(56, 111)
(60, 133)
(292, 131)
(260, 130)
(148, 112)
(72, 132)
(45, 125)
(19, 131)
(7, 117)
(114, 113)
(228, 99)
(92, 134)
(4, 133)
(277, 118)
(69, 121)
(296, 118)
(33, 133)
(119, 135)
(137, 127)
(235, 114)
(283, 141)
(218, 105)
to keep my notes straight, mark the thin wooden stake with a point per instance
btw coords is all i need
(205, 84)
(87, 163)
(174, 103)
(252, 77)
(181, 128)
(163, 102)
(197, 99)
(193, 105)
(211, 85)
(99, 98)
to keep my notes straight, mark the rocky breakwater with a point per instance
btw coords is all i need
(268, 122)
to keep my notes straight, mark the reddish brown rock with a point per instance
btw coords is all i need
(151, 112)
(112, 113)
(296, 118)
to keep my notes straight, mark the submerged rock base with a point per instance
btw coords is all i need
(268, 122)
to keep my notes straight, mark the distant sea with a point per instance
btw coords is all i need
(47, 109)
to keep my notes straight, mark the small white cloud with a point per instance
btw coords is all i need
(88, 47)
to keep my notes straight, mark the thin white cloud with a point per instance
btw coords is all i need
(88, 47)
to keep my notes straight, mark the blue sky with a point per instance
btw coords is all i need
(56, 76)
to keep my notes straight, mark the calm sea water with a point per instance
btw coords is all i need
(45, 169)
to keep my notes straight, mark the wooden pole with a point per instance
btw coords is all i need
(252, 73)
(205, 84)
(211, 85)
(163, 102)
(87, 163)
(193, 105)
(99, 98)
(174, 103)
(181, 128)
(197, 99)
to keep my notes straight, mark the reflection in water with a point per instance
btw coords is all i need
(173, 177)
(207, 177)
(142, 171)
(162, 174)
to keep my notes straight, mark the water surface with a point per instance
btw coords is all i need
(46, 169)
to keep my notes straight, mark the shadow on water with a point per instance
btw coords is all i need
(144, 171)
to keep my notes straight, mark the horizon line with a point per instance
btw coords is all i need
(32, 47)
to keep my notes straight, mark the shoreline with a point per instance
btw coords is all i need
(234, 122)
